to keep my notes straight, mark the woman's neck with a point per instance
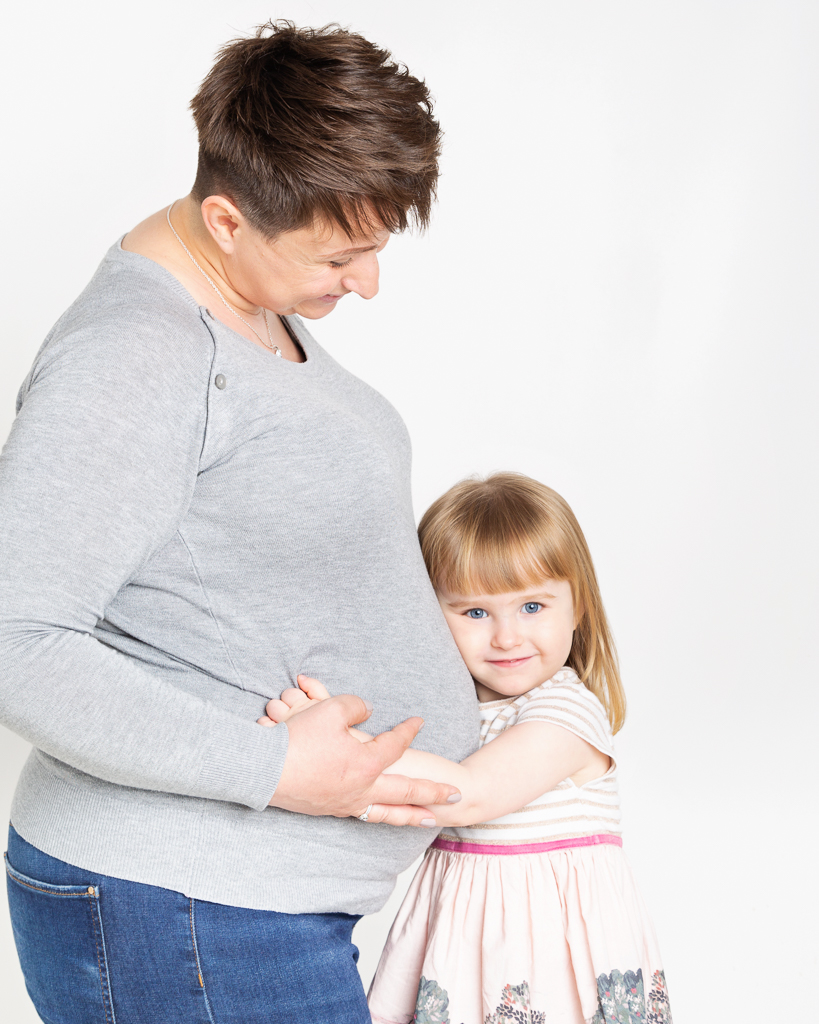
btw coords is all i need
(203, 254)
(154, 239)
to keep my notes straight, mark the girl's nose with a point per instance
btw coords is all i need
(506, 635)
(362, 278)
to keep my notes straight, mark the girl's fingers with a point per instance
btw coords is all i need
(290, 703)
(294, 697)
(313, 688)
(277, 711)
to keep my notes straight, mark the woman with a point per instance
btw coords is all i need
(197, 504)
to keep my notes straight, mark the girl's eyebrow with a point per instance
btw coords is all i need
(461, 602)
(476, 602)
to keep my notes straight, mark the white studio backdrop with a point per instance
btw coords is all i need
(617, 296)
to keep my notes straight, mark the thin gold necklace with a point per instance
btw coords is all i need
(267, 344)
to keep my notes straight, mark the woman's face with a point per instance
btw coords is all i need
(308, 270)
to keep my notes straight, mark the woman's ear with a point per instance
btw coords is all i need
(221, 219)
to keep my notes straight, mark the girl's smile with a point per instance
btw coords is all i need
(512, 642)
(509, 662)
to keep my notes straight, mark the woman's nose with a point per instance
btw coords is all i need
(362, 277)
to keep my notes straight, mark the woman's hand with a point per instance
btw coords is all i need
(332, 768)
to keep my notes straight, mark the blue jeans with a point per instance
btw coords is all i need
(99, 950)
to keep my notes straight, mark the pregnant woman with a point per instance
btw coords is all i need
(197, 503)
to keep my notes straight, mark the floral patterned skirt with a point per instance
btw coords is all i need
(560, 937)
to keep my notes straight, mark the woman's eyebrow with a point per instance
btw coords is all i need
(344, 252)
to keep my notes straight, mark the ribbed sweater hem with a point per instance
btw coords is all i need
(140, 836)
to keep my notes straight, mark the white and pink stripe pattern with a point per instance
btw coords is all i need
(567, 815)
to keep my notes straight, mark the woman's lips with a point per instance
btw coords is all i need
(510, 662)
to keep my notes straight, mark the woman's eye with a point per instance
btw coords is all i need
(338, 266)
(531, 607)
(476, 613)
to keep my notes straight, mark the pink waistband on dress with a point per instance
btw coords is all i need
(604, 839)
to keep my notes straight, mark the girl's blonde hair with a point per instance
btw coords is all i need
(509, 533)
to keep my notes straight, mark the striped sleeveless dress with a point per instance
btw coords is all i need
(532, 918)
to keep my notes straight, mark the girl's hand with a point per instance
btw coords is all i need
(309, 692)
(292, 701)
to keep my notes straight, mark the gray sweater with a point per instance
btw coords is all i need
(186, 523)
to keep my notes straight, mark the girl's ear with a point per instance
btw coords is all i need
(579, 612)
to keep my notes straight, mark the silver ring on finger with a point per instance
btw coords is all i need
(366, 815)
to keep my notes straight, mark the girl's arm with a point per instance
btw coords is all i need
(522, 763)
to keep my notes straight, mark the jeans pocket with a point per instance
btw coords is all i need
(61, 944)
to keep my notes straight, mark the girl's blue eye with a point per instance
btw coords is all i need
(531, 607)
(476, 613)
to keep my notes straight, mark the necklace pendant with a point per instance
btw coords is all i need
(277, 351)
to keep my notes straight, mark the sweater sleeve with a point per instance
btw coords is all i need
(97, 473)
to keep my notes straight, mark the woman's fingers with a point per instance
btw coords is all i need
(390, 746)
(360, 735)
(416, 794)
(387, 814)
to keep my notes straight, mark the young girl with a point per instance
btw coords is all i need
(531, 915)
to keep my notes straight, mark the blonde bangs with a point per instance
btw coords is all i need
(483, 563)
(494, 536)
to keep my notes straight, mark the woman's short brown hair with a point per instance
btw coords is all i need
(298, 125)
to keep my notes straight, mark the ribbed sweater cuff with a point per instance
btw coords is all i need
(243, 768)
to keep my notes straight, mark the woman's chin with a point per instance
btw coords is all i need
(315, 309)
